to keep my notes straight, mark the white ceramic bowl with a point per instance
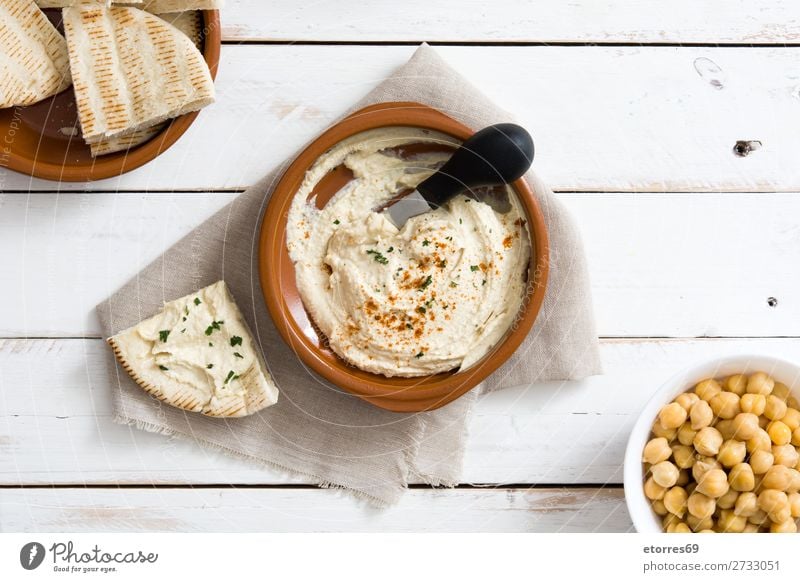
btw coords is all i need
(644, 518)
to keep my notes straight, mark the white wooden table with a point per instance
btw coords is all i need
(635, 106)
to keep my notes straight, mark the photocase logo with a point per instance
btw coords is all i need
(31, 555)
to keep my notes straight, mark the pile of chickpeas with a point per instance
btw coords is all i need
(725, 457)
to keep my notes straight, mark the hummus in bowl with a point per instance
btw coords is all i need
(408, 319)
(432, 297)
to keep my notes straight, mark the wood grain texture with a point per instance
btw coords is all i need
(56, 420)
(663, 265)
(309, 510)
(637, 21)
(603, 118)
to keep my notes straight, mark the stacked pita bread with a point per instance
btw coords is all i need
(198, 354)
(131, 70)
(34, 63)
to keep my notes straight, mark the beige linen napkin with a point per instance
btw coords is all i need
(317, 430)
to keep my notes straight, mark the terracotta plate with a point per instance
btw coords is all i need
(37, 141)
(286, 307)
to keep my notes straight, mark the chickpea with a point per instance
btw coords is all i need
(729, 522)
(725, 405)
(753, 403)
(779, 433)
(683, 479)
(669, 521)
(760, 383)
(660, 431)
(793, 402)
(701, 506)
(672, 416)
(686, 434)
(788, 526)
(653, 490)
(761, 461)
(785, 455)
(683, 456)
(731, 453)
(796, 437)
(713, 483)
(701, 415)
(680, 528)
(776, 504)
(656, 450)
(736, 384)
(659, 508)
(794, 483)
(698, 524)
(775, 408)
(746, 504)
(726, 429)
(782, 391)
(702, 465)
(687, 399)
(665, 474)
(728, 500)
(758, 518)
(778, 477)
(791, 418)
(760, 442)
(707, 441)
(750, 528)
(675, 501)
(794, 504)
(745, 425)
(707, 389)
(741, 477)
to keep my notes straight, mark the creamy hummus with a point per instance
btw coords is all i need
(436, 295)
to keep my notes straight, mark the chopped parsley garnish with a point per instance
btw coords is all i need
(460, 221)
(421, 309)
(186, 309)
(211, 345)
(390, 249)
(183, 330)
(442, 263)
(230, 377)
(210, 366)
(197, 301)
(236, 341)
(409, 326)
(453, 284)
(429, 302)
(425, 284)
(214, 326)
(379, 258)
(238, 355)
(337, 221)
(163, 335)
(419, 355)
(450, 238)
(484, 282)
(163, 368)
(184, 319)
(426, 242)
(474, 268)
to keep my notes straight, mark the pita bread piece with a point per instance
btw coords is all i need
(65, 3)
(189, 23)
(162, 6)
(131, 70)
(199, 355)
(34, 63)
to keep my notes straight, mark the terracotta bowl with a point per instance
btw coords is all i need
(31, 140)
(293, 322)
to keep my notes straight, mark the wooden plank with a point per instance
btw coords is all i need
(308, 510)
(56, 427)
(664, 265)
(603, 118)
(637, 21)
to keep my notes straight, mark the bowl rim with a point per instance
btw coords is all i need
(430, 392)
(639, 508)
(118, 163)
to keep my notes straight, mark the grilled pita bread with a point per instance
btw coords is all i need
(189, 23)
(65, 3)
(34, 63)
(131, 70)
(164, 6)
(199, 355)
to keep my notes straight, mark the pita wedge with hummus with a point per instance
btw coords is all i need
(34, 63)
(199, 355)
(131, 70)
